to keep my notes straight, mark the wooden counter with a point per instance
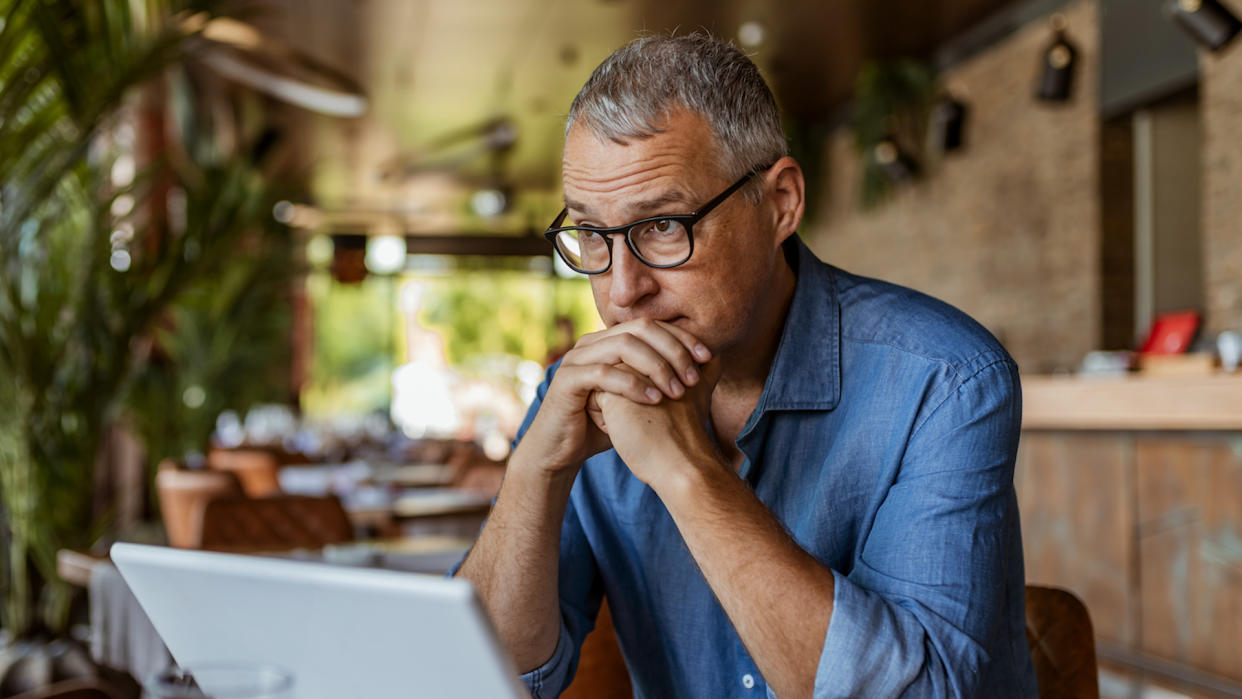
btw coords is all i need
(1130, 491)
(1133, 402)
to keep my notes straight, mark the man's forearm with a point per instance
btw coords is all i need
(513, 565)
(777, 596)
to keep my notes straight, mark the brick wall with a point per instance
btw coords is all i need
(1221, 104)
(1009, 230)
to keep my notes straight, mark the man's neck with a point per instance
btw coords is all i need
(746, 366)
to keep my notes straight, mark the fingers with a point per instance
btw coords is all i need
(666, 354)
(596, 413)
(629, 351)
(698, 349)
(583, 381)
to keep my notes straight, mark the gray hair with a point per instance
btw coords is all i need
(632, 92)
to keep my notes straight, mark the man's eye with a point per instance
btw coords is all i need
(663, 225)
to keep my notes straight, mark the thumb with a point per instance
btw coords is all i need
(595, 412)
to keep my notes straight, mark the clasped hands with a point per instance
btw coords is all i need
(642, 387)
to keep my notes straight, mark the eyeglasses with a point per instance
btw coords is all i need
(660, 241)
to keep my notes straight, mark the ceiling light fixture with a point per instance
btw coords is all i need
(242, 53)
(751, 34)
(1206, 21)
(894, 161)
(1059, 60)
(489, 203)
(385, 254)
(948, 123)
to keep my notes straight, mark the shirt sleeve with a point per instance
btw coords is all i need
(580, 597)
(930, 600)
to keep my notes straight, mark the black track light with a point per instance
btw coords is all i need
(1206, 21)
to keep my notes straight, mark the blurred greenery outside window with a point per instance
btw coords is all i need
(485, 315)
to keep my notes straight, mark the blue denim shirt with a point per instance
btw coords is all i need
(884, 441)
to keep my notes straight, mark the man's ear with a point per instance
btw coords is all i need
(786, 191)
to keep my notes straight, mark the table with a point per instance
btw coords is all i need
(342, 478)
(390, 500)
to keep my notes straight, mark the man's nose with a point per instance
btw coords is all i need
(631, 279)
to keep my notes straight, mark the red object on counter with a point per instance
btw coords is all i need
(1171, 333)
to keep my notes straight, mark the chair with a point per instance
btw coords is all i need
(255, 468)
(601, 668)
(280, 522)
(81, 688)
(183, 495)
(1058, 633)
(1062, 643)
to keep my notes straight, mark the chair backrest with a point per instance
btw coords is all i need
(1062, 644)
(183, 495)
(256, 468)
(602, 673)
(275, 523)
(79, 688)
(1058, 633)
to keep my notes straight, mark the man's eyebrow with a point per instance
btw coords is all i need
(644, 206)
(670, 197)
(577, 207)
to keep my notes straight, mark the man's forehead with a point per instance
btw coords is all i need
(637, 204)
(642, 176)
(684, 136)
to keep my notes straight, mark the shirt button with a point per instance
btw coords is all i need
(748, 681)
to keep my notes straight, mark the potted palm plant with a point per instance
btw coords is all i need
(88, 274)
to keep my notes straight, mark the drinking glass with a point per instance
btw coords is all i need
(222, 681)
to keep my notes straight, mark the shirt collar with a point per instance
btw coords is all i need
(806, 371)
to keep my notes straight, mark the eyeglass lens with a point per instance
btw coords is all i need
(659, 242)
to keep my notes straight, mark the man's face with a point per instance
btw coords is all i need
(715, 295)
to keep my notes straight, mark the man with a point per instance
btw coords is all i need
(785, 479)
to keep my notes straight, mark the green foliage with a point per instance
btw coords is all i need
(891, 99)
(503, 313)
(488, 314)
(224, 343)
(479, 312)
(69, 321)
(353, 327)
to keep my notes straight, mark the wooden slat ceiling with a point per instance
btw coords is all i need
(438, 67)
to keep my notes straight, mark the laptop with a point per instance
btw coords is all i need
(341, 632)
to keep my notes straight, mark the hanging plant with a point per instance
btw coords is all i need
(892, 102)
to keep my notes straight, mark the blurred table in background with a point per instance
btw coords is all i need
(386, 499)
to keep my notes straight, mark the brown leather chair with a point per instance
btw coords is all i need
(1062, 643)
(601, 668)
(81, 688)
(256, 468)
(183, 494)
(276, 523)
(1058, 633)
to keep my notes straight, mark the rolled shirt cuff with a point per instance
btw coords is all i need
(873, 648)
(548, 680)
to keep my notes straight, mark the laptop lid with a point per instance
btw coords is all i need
(341, 632)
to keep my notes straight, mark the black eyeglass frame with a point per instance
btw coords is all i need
(686, 220)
